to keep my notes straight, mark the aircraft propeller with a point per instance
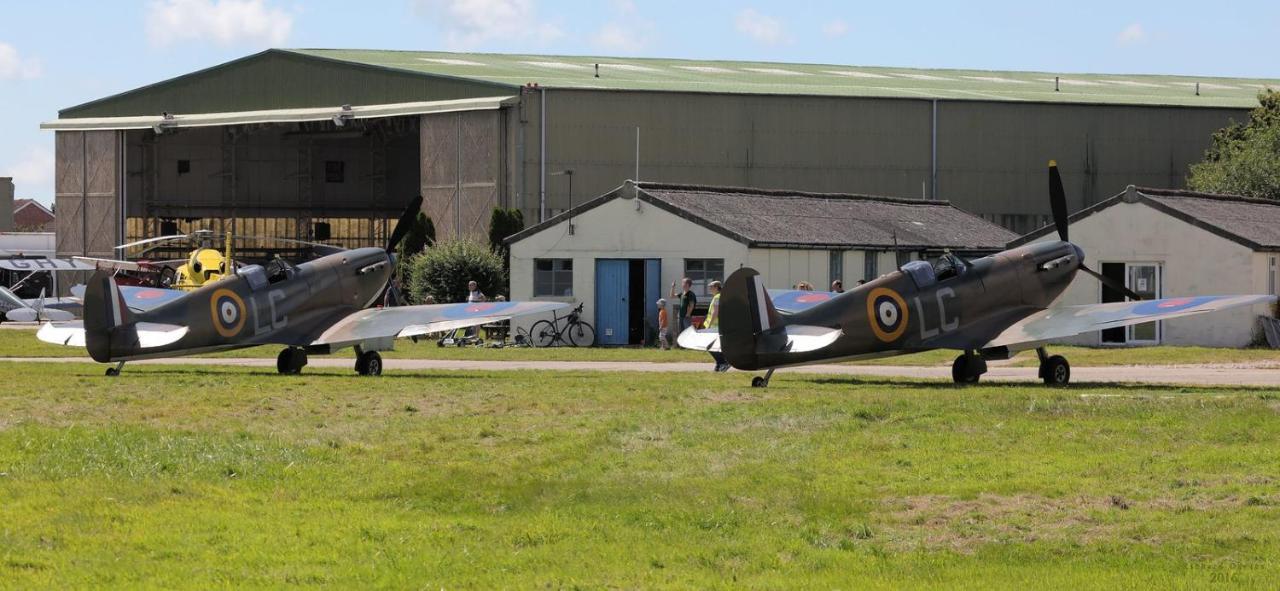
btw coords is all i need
(402, 225)
(1058, 205)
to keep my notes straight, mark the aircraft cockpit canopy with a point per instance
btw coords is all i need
(948, 266)
(920, 272)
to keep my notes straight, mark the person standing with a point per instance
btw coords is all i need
(474, 294)
(664, 325)
(713, 321)
(837, 286)
(687, 302)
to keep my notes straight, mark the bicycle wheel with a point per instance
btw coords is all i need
(543, 333)
(581, 334)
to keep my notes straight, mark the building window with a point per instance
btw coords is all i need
(184, 166)
(553, 278)
(702, 272)
(835, 265)
(869, 270)
(335, 171)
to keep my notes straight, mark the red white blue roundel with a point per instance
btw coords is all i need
(477, 309)
(1168, 305)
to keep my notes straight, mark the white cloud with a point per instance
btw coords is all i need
(1132, 34)
(470, 23)
(835, 28)
(14, 67)
(615, 37)
(33, 173)
(760, 27)
(225, 22)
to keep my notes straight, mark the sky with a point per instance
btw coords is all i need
(59, 53)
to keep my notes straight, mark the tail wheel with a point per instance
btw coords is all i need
(1055, 371)
(543, 333)
(582, 334)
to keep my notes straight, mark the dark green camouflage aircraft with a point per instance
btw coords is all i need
(317, 307)
(988, 308)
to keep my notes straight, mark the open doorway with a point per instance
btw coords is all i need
(626, 291)
(1145, 280)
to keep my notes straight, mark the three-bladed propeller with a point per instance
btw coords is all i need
(1058, 205)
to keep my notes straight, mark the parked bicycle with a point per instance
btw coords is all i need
(569, 330)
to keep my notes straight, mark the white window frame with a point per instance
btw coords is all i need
(554, 283)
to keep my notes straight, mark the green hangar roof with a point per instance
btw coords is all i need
(302, 78)
(675, 75)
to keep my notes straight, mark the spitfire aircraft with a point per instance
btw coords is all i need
(316, 307)
(988, 308)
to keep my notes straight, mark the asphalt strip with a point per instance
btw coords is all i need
(1215, 375)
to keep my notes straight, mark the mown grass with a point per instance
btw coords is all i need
(174, 476)
(22, 343)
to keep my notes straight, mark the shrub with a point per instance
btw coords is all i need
(442, 272)
(422, 234)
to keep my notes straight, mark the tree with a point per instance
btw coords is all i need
(1244, 159)
(443, 271)
(503, 223)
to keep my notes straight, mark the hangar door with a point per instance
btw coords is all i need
(462, 171)
(87, 192)
(627, 291)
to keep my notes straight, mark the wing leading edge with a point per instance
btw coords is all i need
(407, 321)
(1066, 321)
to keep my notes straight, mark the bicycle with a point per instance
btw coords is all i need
(569, 330)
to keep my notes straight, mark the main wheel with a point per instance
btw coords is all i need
(1055, 371)
(291, 361)
(369, 363)
(963, 371)
(582, 334)
(543, 333)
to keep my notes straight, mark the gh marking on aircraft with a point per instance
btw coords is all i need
(317, 307)
(988, 308)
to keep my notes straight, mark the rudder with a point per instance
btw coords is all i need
(749, 323)
(105, 312)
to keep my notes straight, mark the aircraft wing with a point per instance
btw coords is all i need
(142, 299)
(795, 300)
(408, 321)
(1066, 321)
(30, 265)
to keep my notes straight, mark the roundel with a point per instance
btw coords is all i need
(887, 313)
(228, 312)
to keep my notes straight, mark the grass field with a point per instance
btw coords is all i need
(22, 343)
(172, 476)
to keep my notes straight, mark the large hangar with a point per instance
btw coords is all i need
(330, 143)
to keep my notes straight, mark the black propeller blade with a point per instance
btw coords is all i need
(406, 220)
(1112, 283)
(1057, 200)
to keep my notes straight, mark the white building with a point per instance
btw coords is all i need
(1169, 243)
(618, 253)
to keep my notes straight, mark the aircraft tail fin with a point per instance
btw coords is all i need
(105, 312)
(749, 323)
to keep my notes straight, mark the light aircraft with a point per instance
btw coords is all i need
(988, 308)
(17, 309)
(316, 307)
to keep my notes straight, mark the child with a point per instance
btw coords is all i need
(664, 326)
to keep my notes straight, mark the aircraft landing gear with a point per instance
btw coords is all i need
(115, 371)
(369, 363)
(1054, 369)
(967, 368)
(291, 361)
(762, 381)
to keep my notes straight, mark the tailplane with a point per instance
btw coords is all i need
(750, 325)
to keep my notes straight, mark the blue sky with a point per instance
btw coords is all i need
(58, 53)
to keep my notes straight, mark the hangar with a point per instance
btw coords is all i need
(1167, 243)
(620, 252)
(329, 143)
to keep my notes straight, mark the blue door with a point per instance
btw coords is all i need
(612, 308)
(652, 291)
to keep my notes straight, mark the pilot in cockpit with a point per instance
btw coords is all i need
(948, 266)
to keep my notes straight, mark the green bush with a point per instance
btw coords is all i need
(442, 272)
(422, 234)
(504, 223)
